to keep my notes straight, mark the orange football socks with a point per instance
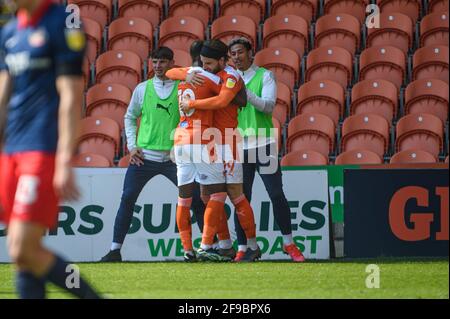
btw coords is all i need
(213, 212)
(184, 223)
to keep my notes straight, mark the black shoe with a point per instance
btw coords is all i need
(112, 256)
(190, 257)
(229, 254)
(251, 255)
(210, 255)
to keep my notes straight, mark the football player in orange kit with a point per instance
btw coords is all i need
(192, 153)
(214, 56)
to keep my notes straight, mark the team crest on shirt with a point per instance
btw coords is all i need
(75, 39)
(37, 38)
(189, 95)
(231, 83)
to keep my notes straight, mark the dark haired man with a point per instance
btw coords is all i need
(260, 147)
(214, 55)
(155, 101)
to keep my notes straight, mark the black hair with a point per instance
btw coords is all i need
(162, 53)
(195, 49)
(217, 46)
(243, 41)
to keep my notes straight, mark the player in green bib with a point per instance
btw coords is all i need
(155, 102)
(260, 145)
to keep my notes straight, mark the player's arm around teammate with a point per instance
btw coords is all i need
(155, 101)
(214, 57)
(260, 146)
(192, 154)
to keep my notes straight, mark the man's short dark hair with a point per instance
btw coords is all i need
(196, 48)
(162, 53)
(243, 41)
(218, 47)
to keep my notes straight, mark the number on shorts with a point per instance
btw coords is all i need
(27, 188)
(229, 167)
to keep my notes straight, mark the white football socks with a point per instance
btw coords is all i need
(225, 244)
(242, 248)
(205, 247)
(115, 246)
(287, 239)
(251, 243)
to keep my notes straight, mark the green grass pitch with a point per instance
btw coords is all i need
(399, 278)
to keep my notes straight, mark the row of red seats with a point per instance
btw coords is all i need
(365, 139)
(99, 142)
(324, 63)
(256, 10)
(319, 96)
(286, 31)
(355, 157)
(316, 132)
(296, 158)
(307, 132)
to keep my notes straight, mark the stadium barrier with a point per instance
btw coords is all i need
(396, 212)
(85, 227)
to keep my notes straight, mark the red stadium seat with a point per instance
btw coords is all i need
(99, 135)
(431, 63)
(90, 160)
(439, 6)
(119, 66)
(396, 29)
(254, 9)
(411, 8)
(150, 10)
(98, 10)
(322, 97)
(358, 157)
(180, 32)
(420, 131)
(283, 62)
(94, 36)
(306, 9)
(356, 8)
(375, 96)
(365, 132)
(412, 156)
(338, 29)
(330, 63)
(108, 100)
(427, 96)
(201, 9)
(286, 31)
(181, 59)
(228, 27)
(314, 132)
(282, 109)
(434, 29)
(134, 34)
(304, 158)
(124, 162)
(383, 62)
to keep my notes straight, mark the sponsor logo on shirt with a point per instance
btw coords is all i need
(37, 39)
(75, 39)
(231, 83)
